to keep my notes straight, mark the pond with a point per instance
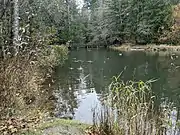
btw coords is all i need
(83, 81)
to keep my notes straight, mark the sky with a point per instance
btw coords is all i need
(80, 3)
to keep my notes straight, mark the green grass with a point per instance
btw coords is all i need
(55, 123)
(62, 122)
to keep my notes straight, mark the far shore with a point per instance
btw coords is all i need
(147, 48)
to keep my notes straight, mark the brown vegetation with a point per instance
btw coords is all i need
(172, 36)
(25, 88)
(147, 48)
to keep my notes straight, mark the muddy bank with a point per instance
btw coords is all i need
(150, 48)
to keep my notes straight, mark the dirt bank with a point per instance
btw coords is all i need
(150, 48)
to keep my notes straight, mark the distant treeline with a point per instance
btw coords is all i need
(27, 24)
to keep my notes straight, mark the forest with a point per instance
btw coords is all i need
(35, 36)
(26, 24)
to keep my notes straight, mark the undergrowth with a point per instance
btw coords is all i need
(23, 98)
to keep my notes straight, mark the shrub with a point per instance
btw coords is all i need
(53, 56)
(25, 87)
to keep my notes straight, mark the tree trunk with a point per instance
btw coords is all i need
(68, 17)
(16, 27)
(30, 22)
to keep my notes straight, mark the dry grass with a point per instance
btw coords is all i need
(147, 48)
(25, 85)
(19, 89)
(17, 78)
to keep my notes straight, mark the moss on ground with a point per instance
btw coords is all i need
(57, 125)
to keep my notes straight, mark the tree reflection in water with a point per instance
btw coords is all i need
(78, 90)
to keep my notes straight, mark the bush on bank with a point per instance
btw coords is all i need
(53, 56)
(25, 87)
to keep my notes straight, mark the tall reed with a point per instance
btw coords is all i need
(130, 110)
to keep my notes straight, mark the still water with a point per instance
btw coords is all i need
(84, 79)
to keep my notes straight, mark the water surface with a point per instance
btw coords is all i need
(84, 79)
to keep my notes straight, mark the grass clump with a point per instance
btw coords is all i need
(130, 110)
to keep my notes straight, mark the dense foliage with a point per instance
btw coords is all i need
(26, 24)
(32, 24)
(129, 20)
(29, 52)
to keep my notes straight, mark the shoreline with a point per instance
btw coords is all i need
(147, 48)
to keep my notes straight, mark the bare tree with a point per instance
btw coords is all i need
(16, 26)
